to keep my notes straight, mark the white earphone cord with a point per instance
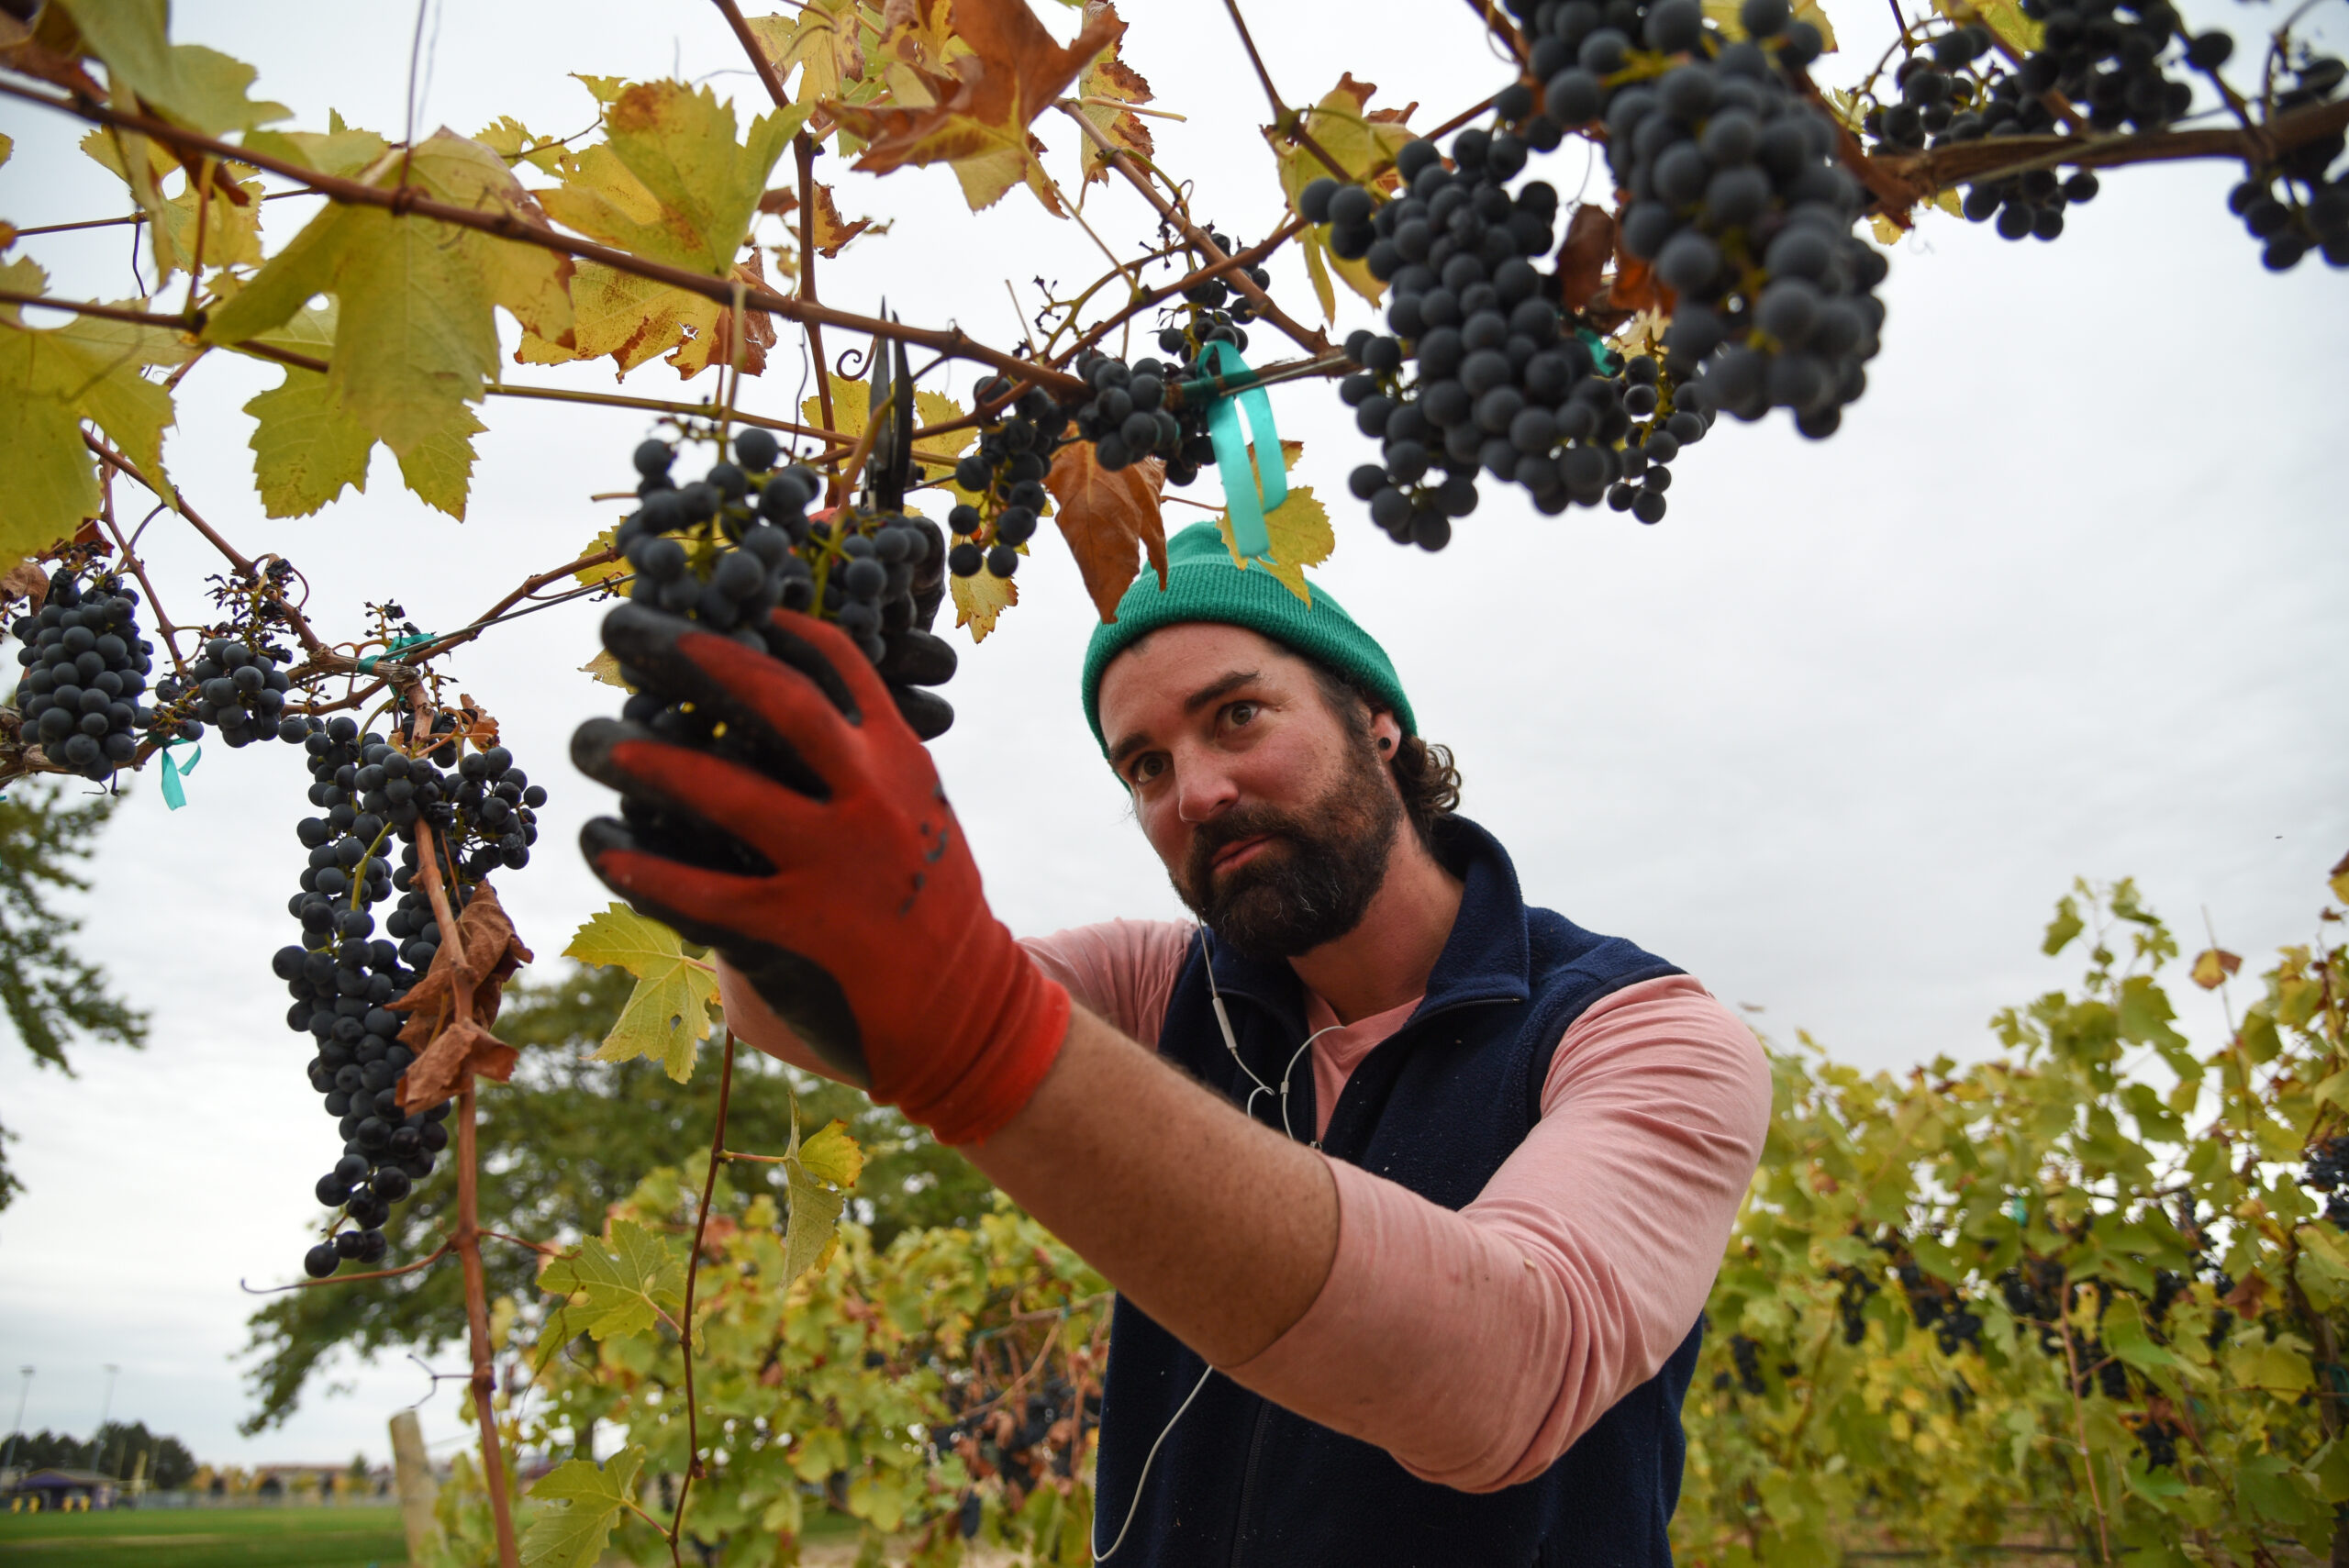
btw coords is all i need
(1231, 1044)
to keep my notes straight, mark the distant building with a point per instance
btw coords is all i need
(51, 1489)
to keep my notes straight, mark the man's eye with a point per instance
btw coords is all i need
(1240, 712)
(1147, 768)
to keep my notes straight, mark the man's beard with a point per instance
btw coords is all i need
(1312, 883)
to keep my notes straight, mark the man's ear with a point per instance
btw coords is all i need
(1385, 732)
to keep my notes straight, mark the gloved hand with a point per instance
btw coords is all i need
(813, 848)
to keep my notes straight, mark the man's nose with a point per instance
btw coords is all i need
(1203, 791)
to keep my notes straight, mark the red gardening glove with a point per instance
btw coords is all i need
(847, 895)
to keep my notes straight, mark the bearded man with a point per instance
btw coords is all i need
(1412, 1193)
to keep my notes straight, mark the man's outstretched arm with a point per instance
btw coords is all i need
(1218, 1227)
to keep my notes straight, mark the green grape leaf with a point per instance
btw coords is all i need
(667, 1015)
(814, 1226)
(620, 1285)
(414, 335)
(197, 87)
(831, 1154)
(580, 1501)
(1360, 139)
(670, 182)
(51, 380)
(305, 448)
(2067, 925)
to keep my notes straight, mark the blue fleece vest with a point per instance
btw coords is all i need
(1240, 1483)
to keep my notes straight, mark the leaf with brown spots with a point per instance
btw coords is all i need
(982, 102)
(26, 581)
(1104, 514)
(832, 233)
(1111, 79)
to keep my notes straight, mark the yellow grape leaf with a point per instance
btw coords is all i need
(1723, 13)
(623, 1283)
(588, 576)
(824, 42)
(53, 379)
(2338, 880)
(979, 599)
(579, 1502)
(667, 1015)
(187, 84)
(1360, 139)
(607, 669)
(1301, 537)
(1888, 233)
(2211, 967)
(831, 1154)
(231, 233)
(512, 140)
(1109, 77)
(669, 181)
(305, 448)
(337, 149)
(414, 335)
(7, 148)
(981, 103)
(2004, 18)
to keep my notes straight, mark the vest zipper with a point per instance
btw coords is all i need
(1248, 1480)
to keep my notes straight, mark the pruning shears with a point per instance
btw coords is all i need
(890, 470)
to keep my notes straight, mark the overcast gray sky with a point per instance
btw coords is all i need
(2062, 598)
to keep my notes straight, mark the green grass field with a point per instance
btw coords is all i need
(206, 1538)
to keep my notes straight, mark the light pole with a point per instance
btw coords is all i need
(105, 1409)
(17, 1430)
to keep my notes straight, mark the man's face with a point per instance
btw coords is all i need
(1274, 817)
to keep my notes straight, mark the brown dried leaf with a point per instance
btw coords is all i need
(485, 952)
(1582, 259)
(779, 201)
(984, 100)
(480, 728)
(2243, 1300)
(440, 1069)
(1102, 514)
(1636, 286)
(26, 581)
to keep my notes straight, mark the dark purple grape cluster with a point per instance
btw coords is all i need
(239, 687)
(86, 667)
(728, 550)
(1136, 412)
(2327, 1172)
(1005, 476)
(343, 976)
(2296, 206)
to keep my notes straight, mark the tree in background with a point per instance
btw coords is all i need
(113, 1451)
(562, 1144)
(49, 992)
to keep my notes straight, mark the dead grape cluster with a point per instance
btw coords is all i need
(344, 976)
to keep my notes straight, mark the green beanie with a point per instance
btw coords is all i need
(1203, 584)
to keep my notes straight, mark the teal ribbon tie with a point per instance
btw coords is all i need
(1600, 354)
(1241, 500)
(175, 796)
(394, 649)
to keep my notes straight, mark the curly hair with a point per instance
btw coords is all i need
(1425, 774)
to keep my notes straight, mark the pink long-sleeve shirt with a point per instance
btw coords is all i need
(1476, 1346)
